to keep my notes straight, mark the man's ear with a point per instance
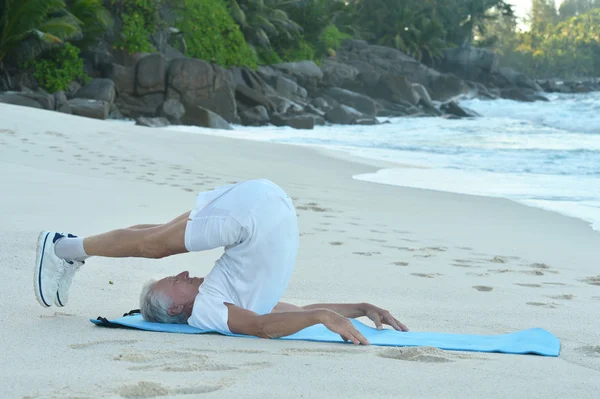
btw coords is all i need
(175, 310)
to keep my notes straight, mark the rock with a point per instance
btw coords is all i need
(60, 99)
(450, 116)
(198, 116)
(197, 83)
(15, 98)
(422, 96)
(320, 103)
(343, 115)
(288, 88)
(134, 107)
(95, 109)
(252, 98)
(360, 102)
(518, 94)
(394, 88)
(452, 108)
(123, 77)
(115, 113)
(446, 86)
(281, 105)
(335, 73)
(295, 121)
(247, 77)
(301, 69)
(98, 89)
(366, 121)
(150, 74)
(469, 63)
(518, 79)
(173, 110)
(152, 122)
(72, 89)
(255, 116)
(171, 53)
(65, 109)
(311, 109)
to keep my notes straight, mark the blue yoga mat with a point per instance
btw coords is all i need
(533, 341)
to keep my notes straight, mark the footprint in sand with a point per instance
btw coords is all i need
(593, 280)
(529, 285)
(567, 297)
(336, 243)
(366, 253)
(590, 350)
(426, 275)
(543, 305)
(148, 389)
(423, 354)
(107, 342)
(400, 263)
(483, 288)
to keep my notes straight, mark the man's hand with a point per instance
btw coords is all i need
(381, 316)
(343, 326)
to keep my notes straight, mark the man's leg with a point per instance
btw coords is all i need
(140, 241)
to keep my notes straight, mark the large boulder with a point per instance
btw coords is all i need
(173, 110)
(343, 115)
(152, 122)
(95, 109)
(294, 121)
(336, 74)
(519, 94)
(394, 88)
(150, 74)
(100, 89)
(123, 78)
(196, 83)
(447, 86)
(255, 116)
(362, 103)
(515, 78)
(251, 98)
(469, 63)
(288, 88)
(16, 98)
(423, 97)
(300, 69)
(282, 105)
(199, 116)
(134, 107)
(452, 108)
(247, 77)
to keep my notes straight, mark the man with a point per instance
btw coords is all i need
(255, 221)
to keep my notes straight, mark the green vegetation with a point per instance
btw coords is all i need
(59, 67)
(558, 44)
(562, 41)
(212, 34)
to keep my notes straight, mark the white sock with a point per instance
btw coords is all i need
(70, 249)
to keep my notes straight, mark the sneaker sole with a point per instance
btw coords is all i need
(41, 246)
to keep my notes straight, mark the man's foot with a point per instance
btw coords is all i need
(69, 270)
(48, 268)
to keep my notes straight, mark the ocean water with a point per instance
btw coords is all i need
(543, 154)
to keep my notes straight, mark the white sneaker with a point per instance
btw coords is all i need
(69, 269)
(48, 268)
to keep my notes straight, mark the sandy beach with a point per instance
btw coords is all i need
(438, 261)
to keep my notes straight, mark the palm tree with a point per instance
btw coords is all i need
(93, 18)
(262, 21)
(44, 20)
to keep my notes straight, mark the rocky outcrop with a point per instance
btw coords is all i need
(199, 116)
(98, 89)
(152, 122)
(196, 83)
(360, 102)
(95, 109)
(150, 75)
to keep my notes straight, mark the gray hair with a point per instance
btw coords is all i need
(154, 306)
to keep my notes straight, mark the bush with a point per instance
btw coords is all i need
(301, 52)
(330, 39)
(58, 68)
(211, 34)
(140, 19)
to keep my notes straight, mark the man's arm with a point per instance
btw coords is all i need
(351, 310)
(275, 325)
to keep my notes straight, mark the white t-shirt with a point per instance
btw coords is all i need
(256, 223)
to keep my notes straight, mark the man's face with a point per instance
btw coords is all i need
(182, 288)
